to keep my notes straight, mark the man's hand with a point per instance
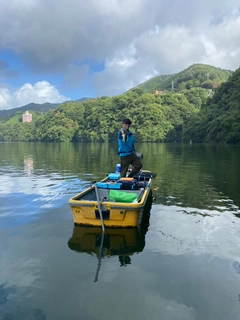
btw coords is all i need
(122, 130)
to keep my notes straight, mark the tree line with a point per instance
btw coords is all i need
(195, 113)
(154, 117)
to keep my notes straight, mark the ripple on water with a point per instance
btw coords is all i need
(28, 196)
(175, 230)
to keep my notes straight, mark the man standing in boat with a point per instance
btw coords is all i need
(126, 150)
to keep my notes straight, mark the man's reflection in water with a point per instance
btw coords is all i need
(124, 260)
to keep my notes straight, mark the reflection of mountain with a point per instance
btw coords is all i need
(118, 242)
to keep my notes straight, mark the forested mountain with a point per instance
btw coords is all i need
(202, 107)
(196, 76)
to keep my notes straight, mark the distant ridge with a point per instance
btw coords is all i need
(38, 107)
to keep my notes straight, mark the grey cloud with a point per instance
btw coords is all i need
(3, 65)
(157, 36)
(75, 76)
(5, 72)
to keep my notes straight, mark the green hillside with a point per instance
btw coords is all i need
(18, 117)
(15, 119)
(153, 83)
(195, 76)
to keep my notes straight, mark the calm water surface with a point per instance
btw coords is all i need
(185, 265)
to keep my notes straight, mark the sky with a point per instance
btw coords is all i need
(55, 51)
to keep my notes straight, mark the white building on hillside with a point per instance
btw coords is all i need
(26, 117)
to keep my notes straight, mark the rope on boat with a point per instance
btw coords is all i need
(99, 208)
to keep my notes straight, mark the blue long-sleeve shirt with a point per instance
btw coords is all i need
(126, 148)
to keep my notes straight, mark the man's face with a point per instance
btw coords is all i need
(126, 126)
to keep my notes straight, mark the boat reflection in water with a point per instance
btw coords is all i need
(121, 242)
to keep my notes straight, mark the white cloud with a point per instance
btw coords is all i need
(135, 39)
(5, 98)
(40, 92)
(222, 44)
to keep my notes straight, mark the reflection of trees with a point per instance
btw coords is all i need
(189, 176)
(198, 176)
(64, 158)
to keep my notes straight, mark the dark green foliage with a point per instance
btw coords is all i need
(219, 118)
(17, 132)
(139, 91)
(57, 125)
(197, 96)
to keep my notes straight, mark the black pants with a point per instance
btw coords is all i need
(134, 161)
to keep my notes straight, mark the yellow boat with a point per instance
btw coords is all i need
(121, 242)
(113, 201)
(117, 241)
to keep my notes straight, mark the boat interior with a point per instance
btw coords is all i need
(135, 185)
(103, 194)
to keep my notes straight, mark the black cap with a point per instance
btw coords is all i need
(127, 121)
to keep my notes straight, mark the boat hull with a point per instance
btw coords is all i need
(125, 215)
(85, 206)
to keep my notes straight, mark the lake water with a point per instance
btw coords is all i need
(186, 265)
